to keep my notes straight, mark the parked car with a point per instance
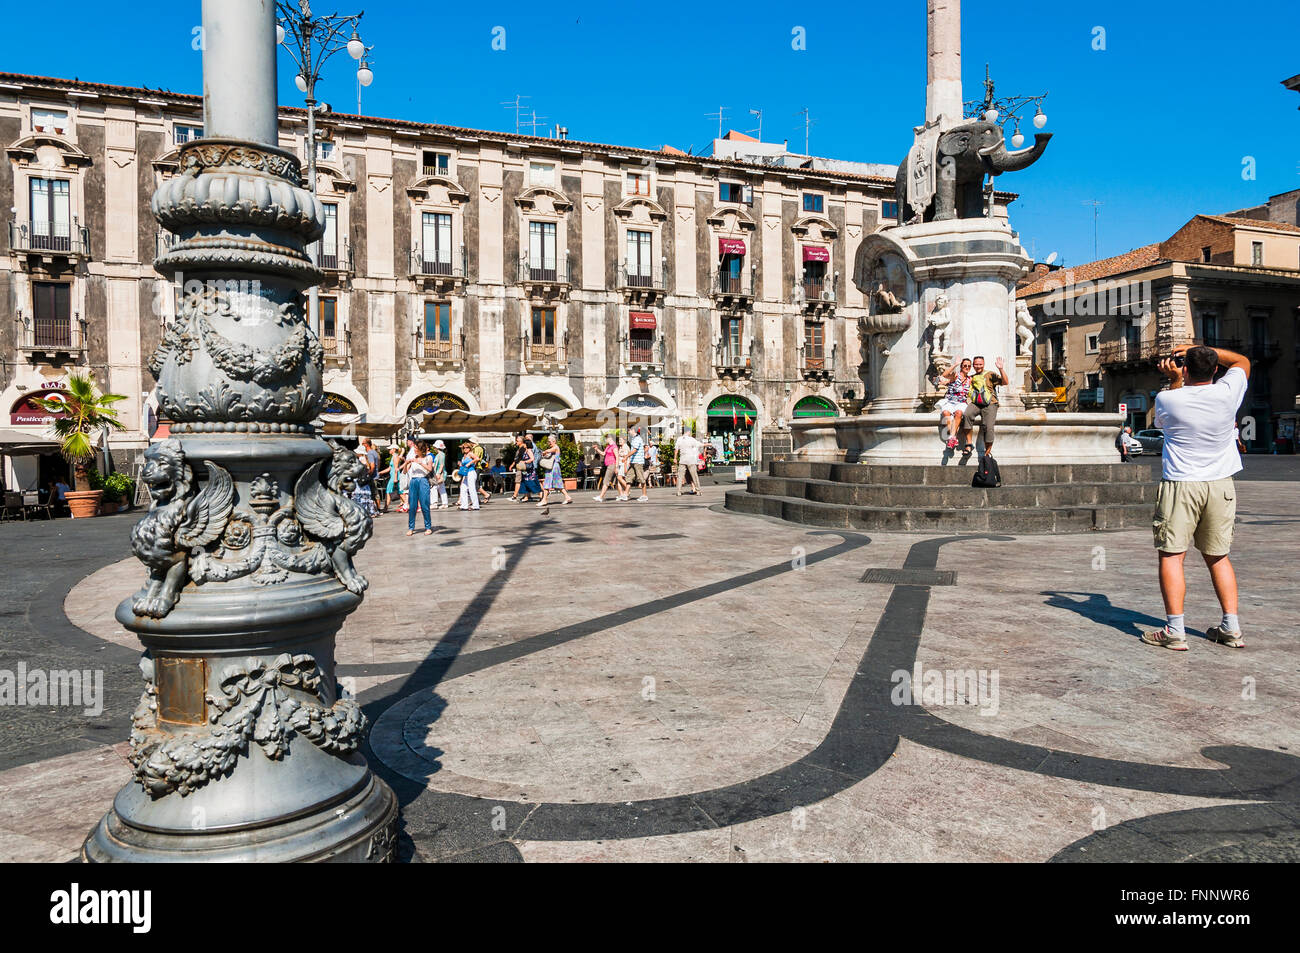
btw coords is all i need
(1133, 444)
(1153, 441)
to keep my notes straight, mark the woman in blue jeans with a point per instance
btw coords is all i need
(418, 469)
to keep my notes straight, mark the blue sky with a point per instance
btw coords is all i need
(1155, 126)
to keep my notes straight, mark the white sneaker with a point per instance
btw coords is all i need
(622, 499)
(599, 499)
(643, 499)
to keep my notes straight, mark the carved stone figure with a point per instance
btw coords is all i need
(177, 522)
(964, 155)
(938, 323)
(1024, 327)
(327, 513)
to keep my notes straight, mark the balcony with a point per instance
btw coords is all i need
(643, 358)
(436, 269)
(335, 259)
(733, 291)
(164, 241)
(335, 344)
(440, 355)
(815, 295)
(814, 365)
(54, 341)
(435, 170)
(53, 243)
(545, 278)
(1263, 352)
(733, 361)
(1129, 353)
(639, 287)
(544, 358)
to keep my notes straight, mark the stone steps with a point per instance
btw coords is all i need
(974, 519)
(953, 496)
(955, 475)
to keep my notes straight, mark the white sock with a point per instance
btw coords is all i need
(1230, 623)
(1175, 624)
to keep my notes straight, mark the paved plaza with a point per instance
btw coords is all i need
(673, 681)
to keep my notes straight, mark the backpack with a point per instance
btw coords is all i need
(987, 476)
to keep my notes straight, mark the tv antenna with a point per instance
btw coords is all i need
(518, 106)
(759, 130)
(1095, 207)
(808, 123)
(533, 123)
(719, 115)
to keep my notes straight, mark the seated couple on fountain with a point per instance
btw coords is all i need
(971, 397)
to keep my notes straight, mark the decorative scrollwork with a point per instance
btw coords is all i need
(258, 701)
(215, 154)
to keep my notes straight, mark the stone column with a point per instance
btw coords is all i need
(943, 61)
(243, 746)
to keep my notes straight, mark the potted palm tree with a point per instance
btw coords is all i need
(82, 411)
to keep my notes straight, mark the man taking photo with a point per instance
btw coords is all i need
(1197, 500)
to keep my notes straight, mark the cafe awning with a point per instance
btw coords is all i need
(731, 246)
(816, 253)
(641, 321)
(15, 443)
(458, 422)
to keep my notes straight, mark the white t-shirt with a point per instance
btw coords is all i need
(1199, 424)
(688, 451)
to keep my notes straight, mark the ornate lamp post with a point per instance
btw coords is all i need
(242, 747)
(1003, 110)
(310, 42)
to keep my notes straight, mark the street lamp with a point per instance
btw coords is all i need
(310, 42)
(1004, 110)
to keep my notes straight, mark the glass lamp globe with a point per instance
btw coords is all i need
(356, 49)
(364, 74)
(301, 82)
(990, 115)
(279, 34)
(1018, 139)
(1040, 118)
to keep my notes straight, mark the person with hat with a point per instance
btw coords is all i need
(468, 477)
(439, 478)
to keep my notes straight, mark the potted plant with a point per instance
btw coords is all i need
(119, 491)
(82, 411)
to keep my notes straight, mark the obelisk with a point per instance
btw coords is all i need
(943, 102)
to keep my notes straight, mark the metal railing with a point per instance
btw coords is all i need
(548, 271)
(438, 350)
(641, 351)
(725, 283)
(337, 257)
(634, 276)
(727, 355)
(164, 241)
(60, 237)
(543, 353)
(1263, 350)
(441, 170)
(429, 261)
(1128, 352)
(818, 290)
(334, 345)
(53, 334)
(815, 361)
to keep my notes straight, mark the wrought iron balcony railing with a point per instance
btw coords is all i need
(544, 271)
(51, 335)
(52, 237)
(439, 263)
(729, 285)
(544, 354)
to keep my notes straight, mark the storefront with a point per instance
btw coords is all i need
(732, 423)
(814, 406)
(34, 465)
(434, 401)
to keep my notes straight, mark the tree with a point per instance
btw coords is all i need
(83, 412)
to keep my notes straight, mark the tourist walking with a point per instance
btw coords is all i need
(438, 479)
(528, 476)
(394, 472)
(1196, 504)
(418, 467)
(982, 407)
(379, 485)
(362, 493)
(609, 467)
(637, 460)
(955, 398)
(624, 462)
(468, 478)
(686, 462)
(554, 479)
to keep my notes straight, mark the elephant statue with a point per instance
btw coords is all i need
(963, 156)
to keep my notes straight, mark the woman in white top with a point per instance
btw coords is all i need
(418, 468)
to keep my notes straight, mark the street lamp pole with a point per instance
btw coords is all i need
(311, 40)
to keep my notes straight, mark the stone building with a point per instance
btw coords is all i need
(463, 268)
(1227, 280)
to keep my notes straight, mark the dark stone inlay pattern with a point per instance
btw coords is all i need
(911, 577)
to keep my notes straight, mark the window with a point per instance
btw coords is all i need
(1206, 253)
(732, 332)
(543, 335)
(436, 163)
(641, 346)
(1093, 381)
(814, 349)
(51, 314)
(541, 173)
(638, 259)
(329, 243)
(1210, 329)
(51, 219)
(328, 311)
(814, 279)
(325, 150)
(437, 329)
(730, 274)
(50, 120)
(436, 243)
(638, 183)
(1091, 343)
(889, 210)
(1257, 253)
(735, 192)
(183, 133)
(811, 202)
(541, 251)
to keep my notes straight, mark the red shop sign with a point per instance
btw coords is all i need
(641, 320)
(26, 413)
(731, 246)
(816, 253)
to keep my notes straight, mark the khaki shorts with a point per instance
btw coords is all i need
(1195, 511)
(636, 472)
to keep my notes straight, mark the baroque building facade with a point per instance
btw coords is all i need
(463, 268)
